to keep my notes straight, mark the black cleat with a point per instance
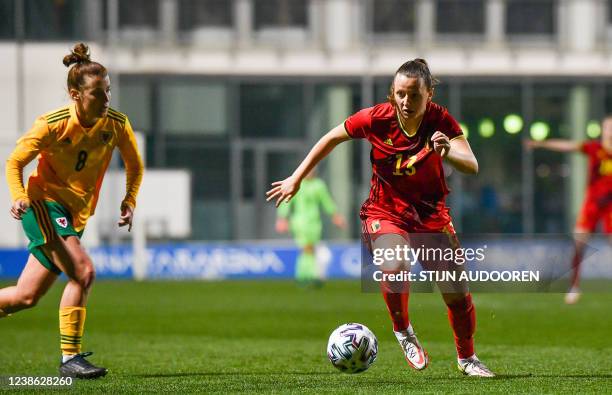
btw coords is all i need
(80, 368)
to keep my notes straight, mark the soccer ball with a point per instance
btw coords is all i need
(352, 348)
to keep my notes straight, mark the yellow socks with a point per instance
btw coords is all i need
(71, 323)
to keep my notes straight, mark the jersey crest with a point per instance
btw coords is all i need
(605, 168)
(375, 226)
(106, 136)
(62, 221)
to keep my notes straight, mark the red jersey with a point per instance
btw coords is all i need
(599, 187)
(408, 183)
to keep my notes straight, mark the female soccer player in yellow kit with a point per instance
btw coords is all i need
(73, 145)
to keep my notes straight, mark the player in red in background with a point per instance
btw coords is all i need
(410, 136)
(597, 205)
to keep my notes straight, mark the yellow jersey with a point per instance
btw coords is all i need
(72, 161)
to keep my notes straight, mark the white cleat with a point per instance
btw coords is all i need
(473, 367)
(573, 296)
(415, 355)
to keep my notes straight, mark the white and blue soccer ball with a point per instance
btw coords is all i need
(352, 348)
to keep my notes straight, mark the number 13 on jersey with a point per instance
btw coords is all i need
(410, 169)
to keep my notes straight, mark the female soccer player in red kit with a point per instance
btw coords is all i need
(410, 137)
(597, 205)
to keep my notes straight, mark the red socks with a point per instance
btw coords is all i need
(396, 298)
(397, 304)
(576, 261)
(462, 317)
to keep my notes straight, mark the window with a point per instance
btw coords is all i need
(272, 110)
(193, 108)
(209, 165)
(135, 101)
(54, 19)
(204, 13)
(530, 17)
(442, 94)
(139, 14)
(7, 19)
(551, 106)
(381, 88)
(210, 185)
(280, 13)
(492, 201)
(465, 16)
(394, 16)
(277, 164)
(607, 101)
(248, 174)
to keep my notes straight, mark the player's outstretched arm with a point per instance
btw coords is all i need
(286, 189)
(456, 152)
(557, 145)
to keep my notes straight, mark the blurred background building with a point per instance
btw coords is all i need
(236, 91)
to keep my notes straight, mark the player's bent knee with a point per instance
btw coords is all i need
(84, 273)
(86, 277)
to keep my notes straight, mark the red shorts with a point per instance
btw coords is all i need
(440, 240)
(591, 213)
(371, 227)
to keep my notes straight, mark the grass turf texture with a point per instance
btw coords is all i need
(271, 337)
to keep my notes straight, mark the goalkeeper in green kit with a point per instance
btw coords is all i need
(303, 217)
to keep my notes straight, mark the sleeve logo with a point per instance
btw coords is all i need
(62, 221)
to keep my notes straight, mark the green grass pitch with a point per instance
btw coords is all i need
(270, 336)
